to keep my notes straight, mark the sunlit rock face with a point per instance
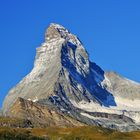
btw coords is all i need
(63, 77)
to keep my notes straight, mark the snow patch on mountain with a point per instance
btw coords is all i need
(127, 104)
(87, 115)
(94, 107)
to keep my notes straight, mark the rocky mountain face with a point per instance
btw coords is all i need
(65, 88)
(40, 115)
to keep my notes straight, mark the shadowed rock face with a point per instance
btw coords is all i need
(64, 78)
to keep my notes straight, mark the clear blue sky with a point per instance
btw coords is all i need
(109, 29)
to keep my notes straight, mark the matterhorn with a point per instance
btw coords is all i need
(65, 88)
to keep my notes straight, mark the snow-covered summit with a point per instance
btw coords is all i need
(56, 31)
(58, 27)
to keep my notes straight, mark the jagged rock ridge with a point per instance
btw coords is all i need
(63, 77)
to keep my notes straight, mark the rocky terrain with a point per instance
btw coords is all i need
(65, 88)
(41, 116)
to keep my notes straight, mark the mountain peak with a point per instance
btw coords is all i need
(57, 26)
(56, 32)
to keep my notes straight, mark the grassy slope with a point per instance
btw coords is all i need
(76, 133)
(17, 134)
(11, 121)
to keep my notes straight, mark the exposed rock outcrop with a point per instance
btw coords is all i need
(41, 116)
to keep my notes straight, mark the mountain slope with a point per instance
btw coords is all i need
(41, 116)
(64, 78)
